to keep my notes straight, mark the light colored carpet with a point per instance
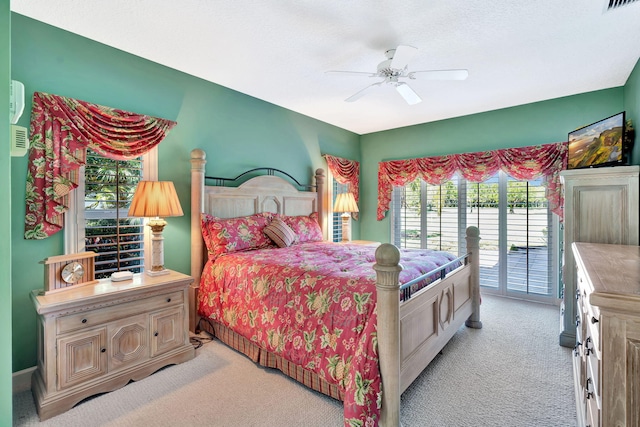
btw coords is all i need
(510, 373)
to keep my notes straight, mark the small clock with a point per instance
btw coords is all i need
(72, 272)
(64, 271)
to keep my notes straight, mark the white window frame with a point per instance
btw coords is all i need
(74, 217)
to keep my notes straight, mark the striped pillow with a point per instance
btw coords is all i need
(281, 234)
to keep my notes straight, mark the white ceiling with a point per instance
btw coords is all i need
(517, 52)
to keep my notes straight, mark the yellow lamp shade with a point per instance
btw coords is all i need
(155, 199)
(345, 202)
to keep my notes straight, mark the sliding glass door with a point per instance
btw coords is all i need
(517, 250)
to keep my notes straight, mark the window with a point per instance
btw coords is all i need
(336, 217)
(426, 216)
(97, 220)
(518, 243)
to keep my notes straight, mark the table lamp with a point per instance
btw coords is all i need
(156, 200)
(345, 203)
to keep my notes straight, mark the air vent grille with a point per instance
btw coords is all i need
(613, 4)
(19, 141)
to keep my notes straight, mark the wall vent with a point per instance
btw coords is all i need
(19, 141)
(614, 4)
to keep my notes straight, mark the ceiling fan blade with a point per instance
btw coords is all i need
(408, 94)
(352, 73)
(363, 92)
(441, 74)
(402, 56)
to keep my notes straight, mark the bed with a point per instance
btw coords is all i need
(399, 329)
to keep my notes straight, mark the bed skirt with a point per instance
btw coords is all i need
(270, 360)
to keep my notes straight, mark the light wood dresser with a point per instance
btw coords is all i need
(607, 353)
(600, 206)
(96, 338)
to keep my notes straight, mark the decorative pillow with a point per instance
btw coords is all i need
(281, 234)
(306, 228)
(235, 234)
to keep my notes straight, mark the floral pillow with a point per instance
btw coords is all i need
(227, 235)
(306, 228)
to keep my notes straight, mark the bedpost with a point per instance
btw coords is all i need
(319, 178)
(388, 269)
(198, 160)
(473, 247)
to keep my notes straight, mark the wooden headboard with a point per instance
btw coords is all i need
(266, 193)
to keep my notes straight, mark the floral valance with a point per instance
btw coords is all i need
(61, 130)
(524, 163)
(347, 172)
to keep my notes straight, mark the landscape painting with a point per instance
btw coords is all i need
(599, 144)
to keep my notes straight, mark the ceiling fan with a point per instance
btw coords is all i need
(395, 68)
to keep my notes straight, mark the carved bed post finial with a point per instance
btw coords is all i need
(198, 161)
(388, 269)
(473, 247)
(320, 178)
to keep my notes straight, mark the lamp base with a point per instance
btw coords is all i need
(345, 227)
(157, 272)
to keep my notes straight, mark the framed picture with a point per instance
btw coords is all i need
(599, 144)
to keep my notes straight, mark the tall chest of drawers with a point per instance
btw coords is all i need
(607, 354)
(600, 206)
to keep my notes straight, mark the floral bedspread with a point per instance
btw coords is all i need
(314, 304)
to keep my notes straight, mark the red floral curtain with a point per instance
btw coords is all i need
(61, 130)
(524, 163)
(346, 171)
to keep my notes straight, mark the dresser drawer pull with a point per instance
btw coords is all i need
(84, 320)
(577, 320)
(577, 294)
(588, 350)
(155, 334)
(594, 320)
(102, 350)
(576, 349)
(168, 299)
(589, 394)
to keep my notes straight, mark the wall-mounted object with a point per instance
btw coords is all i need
(19, 141)
(16, 101)
(599, 144)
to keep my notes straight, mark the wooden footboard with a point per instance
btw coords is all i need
(413, 332)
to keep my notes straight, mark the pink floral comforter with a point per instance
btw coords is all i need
(315, 305)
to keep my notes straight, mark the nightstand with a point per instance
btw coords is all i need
(96, 338)
(364, 242)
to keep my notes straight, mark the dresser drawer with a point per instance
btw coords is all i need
(592, 384)
(100, 316)
(592, 329)
(593, 414)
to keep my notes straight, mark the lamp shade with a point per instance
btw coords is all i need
(345, 202)
(155, 199)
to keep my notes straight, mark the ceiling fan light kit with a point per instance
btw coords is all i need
(394, 68)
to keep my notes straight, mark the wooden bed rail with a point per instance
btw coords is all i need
(388, 270)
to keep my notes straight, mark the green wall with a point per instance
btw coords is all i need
(238, 132)
(632, 107)
(5, 219)
(530, 124)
